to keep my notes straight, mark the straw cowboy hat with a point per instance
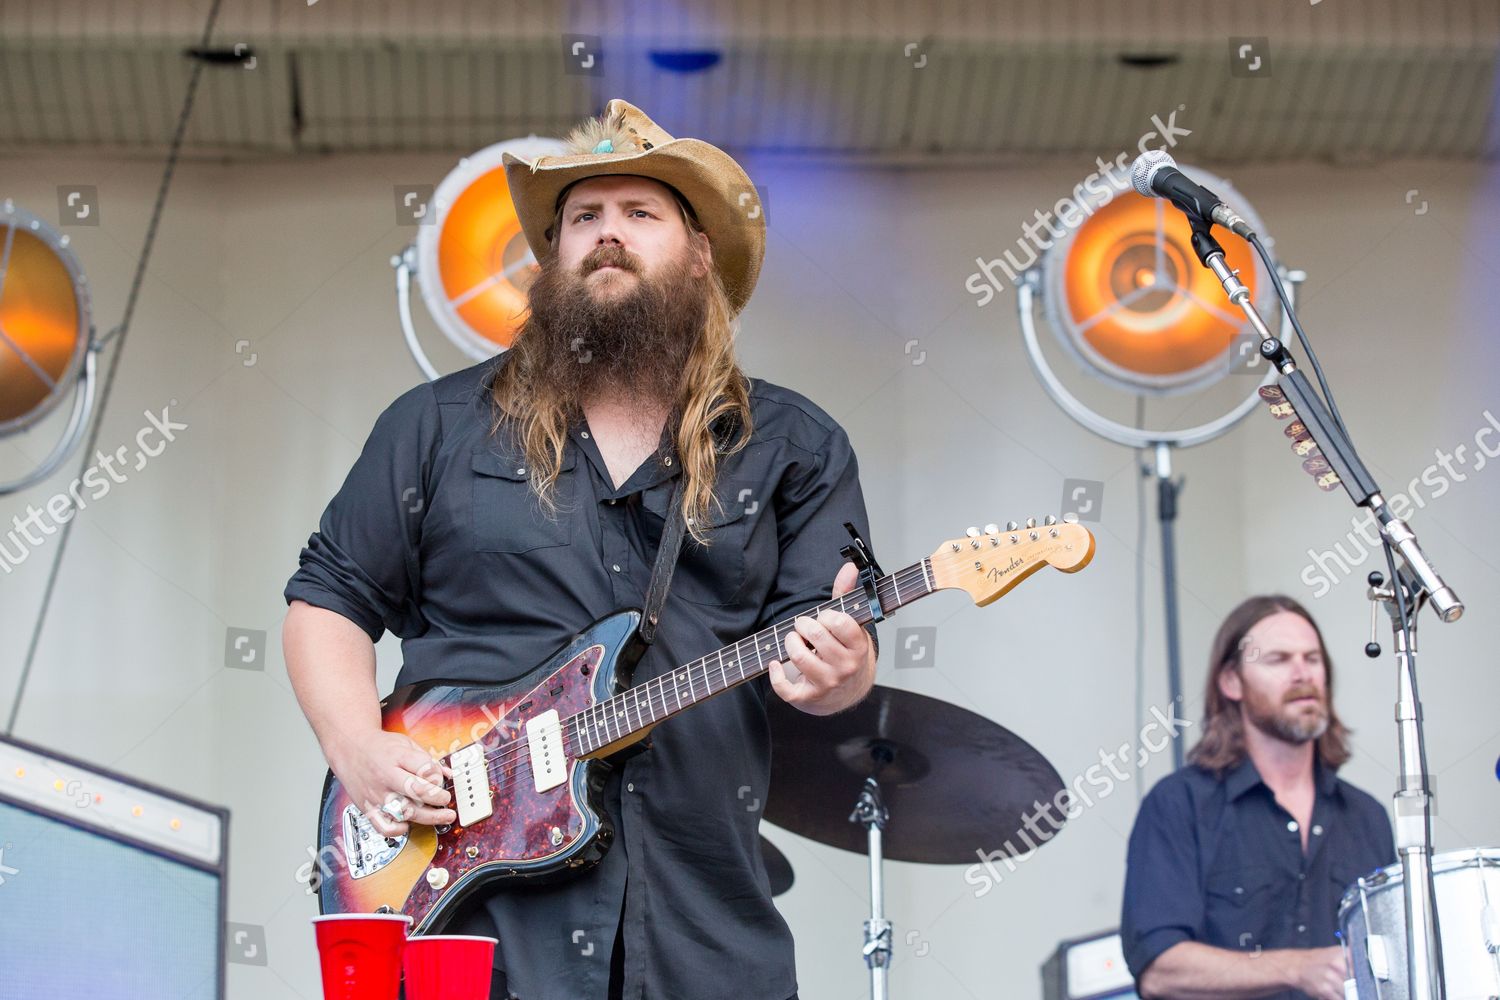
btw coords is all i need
(624, 141)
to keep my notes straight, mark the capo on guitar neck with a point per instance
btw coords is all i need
(869, 570)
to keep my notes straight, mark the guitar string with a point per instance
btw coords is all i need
(513, 757)
(516, 752)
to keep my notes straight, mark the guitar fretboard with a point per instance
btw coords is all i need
(660, 698)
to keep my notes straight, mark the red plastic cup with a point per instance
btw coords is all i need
(448, 967)
(361, 954)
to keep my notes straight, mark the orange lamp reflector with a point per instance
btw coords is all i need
(473, 262)
(1132, 301)
(44, 321)
(480, 244)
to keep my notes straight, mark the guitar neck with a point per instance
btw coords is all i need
(629, 713)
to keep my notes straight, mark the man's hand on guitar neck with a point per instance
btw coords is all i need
(832, 658)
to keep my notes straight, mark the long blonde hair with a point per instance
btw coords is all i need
(713, 401)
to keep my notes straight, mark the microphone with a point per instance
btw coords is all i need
(1155, 175)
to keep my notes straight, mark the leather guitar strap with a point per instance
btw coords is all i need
(666, 561)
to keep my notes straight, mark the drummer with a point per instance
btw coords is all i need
(1237, 862)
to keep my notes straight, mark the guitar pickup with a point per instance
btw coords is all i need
(471, 784)
(549, 764)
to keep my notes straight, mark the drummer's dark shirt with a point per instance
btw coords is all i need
(1217, 860)
(436, 537)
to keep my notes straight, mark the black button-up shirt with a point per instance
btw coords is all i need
(436, 536)
(1219, 861)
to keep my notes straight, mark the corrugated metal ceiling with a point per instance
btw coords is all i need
(878, 80)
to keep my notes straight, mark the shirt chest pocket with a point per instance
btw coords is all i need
(507, 517)
(1241, 902)
(714, 574)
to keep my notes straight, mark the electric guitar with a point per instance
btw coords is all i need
(528, 758)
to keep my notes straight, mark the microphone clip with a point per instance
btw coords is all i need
(1204, 244)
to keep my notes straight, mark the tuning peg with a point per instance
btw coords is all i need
(1070, 518)
(1031, 522)
(992, 529)
(1011, 526)
(1050, 521)
(972, 532)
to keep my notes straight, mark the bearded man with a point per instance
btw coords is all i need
(1237, 862)
(497, 512)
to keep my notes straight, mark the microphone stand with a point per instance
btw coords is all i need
(1402, 600)
(1415, 583)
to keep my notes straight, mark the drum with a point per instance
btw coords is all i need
(1372, 920)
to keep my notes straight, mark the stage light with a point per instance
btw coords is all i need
(1127, 297)
(46, 334)
(44, 318)
(472, 262)
(685, 61)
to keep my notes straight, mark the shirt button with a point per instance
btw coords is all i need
(585, 433)
(616, 567)
(1317, 830)
(1302, 876)
(1292, 826)
(630, 787)
(521, 471)
(611, 500)
(1301, 928)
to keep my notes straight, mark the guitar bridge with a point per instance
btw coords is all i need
(472, 796)
(366, 850)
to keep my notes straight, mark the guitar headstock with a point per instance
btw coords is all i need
(989, 563)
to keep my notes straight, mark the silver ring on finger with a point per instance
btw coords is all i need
(395, 808)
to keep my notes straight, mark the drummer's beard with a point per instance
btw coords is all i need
(622, 334)
(1286, 718)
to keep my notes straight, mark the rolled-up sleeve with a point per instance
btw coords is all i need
(1163, 884)
(818, 493)
(363, 562)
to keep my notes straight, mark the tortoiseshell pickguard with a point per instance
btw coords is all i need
(528, 833)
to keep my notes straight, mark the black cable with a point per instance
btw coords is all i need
(1312, 356)
(119, 333)
(1140, 594)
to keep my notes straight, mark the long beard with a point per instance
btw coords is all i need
(582, 340)
(1281, 720)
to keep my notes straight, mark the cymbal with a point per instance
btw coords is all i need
(954, 782)
(777, 867)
